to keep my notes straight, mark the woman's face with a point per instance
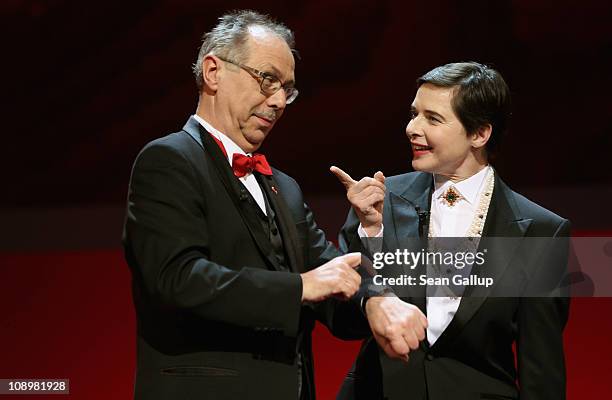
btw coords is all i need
(440, 143)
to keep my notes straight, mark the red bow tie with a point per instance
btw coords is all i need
(243, 165)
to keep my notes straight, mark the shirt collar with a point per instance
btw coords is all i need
(467, 188)
(230, 146)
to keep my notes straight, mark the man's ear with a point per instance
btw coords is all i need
(210, 72)
(481, 136)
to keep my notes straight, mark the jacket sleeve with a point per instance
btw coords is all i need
(344, 319)
(166, 242)
(541, 320)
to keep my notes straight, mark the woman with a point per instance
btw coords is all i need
(458, 116)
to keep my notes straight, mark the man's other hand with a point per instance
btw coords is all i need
(336, 278)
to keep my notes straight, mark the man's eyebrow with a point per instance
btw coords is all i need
(276, 72)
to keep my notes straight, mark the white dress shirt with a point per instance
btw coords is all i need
(231, 148)
(450, 221)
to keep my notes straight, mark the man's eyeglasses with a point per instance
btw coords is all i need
(268, 83)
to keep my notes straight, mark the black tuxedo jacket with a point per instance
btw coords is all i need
(474, 358)
(218, 317)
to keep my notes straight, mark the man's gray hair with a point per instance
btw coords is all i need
(228, 39)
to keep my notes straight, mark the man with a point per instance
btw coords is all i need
(229, 268)
(458, 116)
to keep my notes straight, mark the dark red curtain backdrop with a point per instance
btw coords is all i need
(68, 315)
(85, 84)
(88, 83)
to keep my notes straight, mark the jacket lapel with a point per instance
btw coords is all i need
(237, 191)
(403, 208)
(504, 223)
(404, 219)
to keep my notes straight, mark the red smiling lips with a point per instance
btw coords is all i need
(420, 149)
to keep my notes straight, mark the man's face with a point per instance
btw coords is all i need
(247, 114)
(439, 141)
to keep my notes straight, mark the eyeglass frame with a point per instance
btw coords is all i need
(262, 76)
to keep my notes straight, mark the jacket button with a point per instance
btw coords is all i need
(430, 357)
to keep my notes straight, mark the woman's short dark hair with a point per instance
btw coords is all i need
(481, 96)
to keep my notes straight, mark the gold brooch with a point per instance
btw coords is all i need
(451, 196)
